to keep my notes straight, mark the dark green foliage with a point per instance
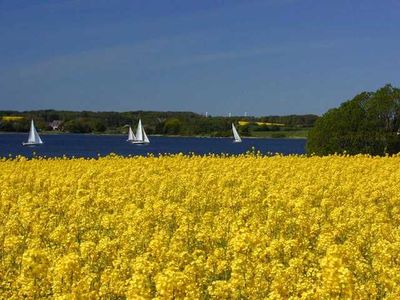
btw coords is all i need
(172, 126)
(244, 130)
(170, 123)
(291, 120)
(369, 123)
(261, 128)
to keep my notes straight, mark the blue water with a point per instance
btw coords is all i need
(81, 145)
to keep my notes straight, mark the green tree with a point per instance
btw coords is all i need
(78, 126)
(172, 126)
(369, 123)
(244, 130)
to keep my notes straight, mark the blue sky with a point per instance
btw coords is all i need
(261, 57)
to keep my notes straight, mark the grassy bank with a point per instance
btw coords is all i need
(291, 134)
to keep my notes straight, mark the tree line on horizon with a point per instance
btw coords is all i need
(166, 123)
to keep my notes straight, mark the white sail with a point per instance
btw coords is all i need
(33, 138)
(139, 131)
(131, 136)
(141, 136)
(145, 138)
(236, 134)
(37, 138)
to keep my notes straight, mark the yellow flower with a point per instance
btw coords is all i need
(197, 227)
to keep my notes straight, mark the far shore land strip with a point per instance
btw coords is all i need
(171, 124)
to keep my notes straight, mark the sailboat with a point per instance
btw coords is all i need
(236, 135)
(141, 136)
(34, 138)
(131, 136)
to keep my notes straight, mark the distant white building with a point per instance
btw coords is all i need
(55, 125)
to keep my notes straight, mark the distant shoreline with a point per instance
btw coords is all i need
(157, 135)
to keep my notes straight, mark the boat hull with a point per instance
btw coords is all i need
(139, 143)
(31, 144)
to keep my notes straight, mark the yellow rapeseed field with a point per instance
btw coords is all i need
(12, 118)
(200, 227)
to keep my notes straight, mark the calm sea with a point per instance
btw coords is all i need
(82, 145)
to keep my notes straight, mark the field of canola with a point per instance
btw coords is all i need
(214, 227)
